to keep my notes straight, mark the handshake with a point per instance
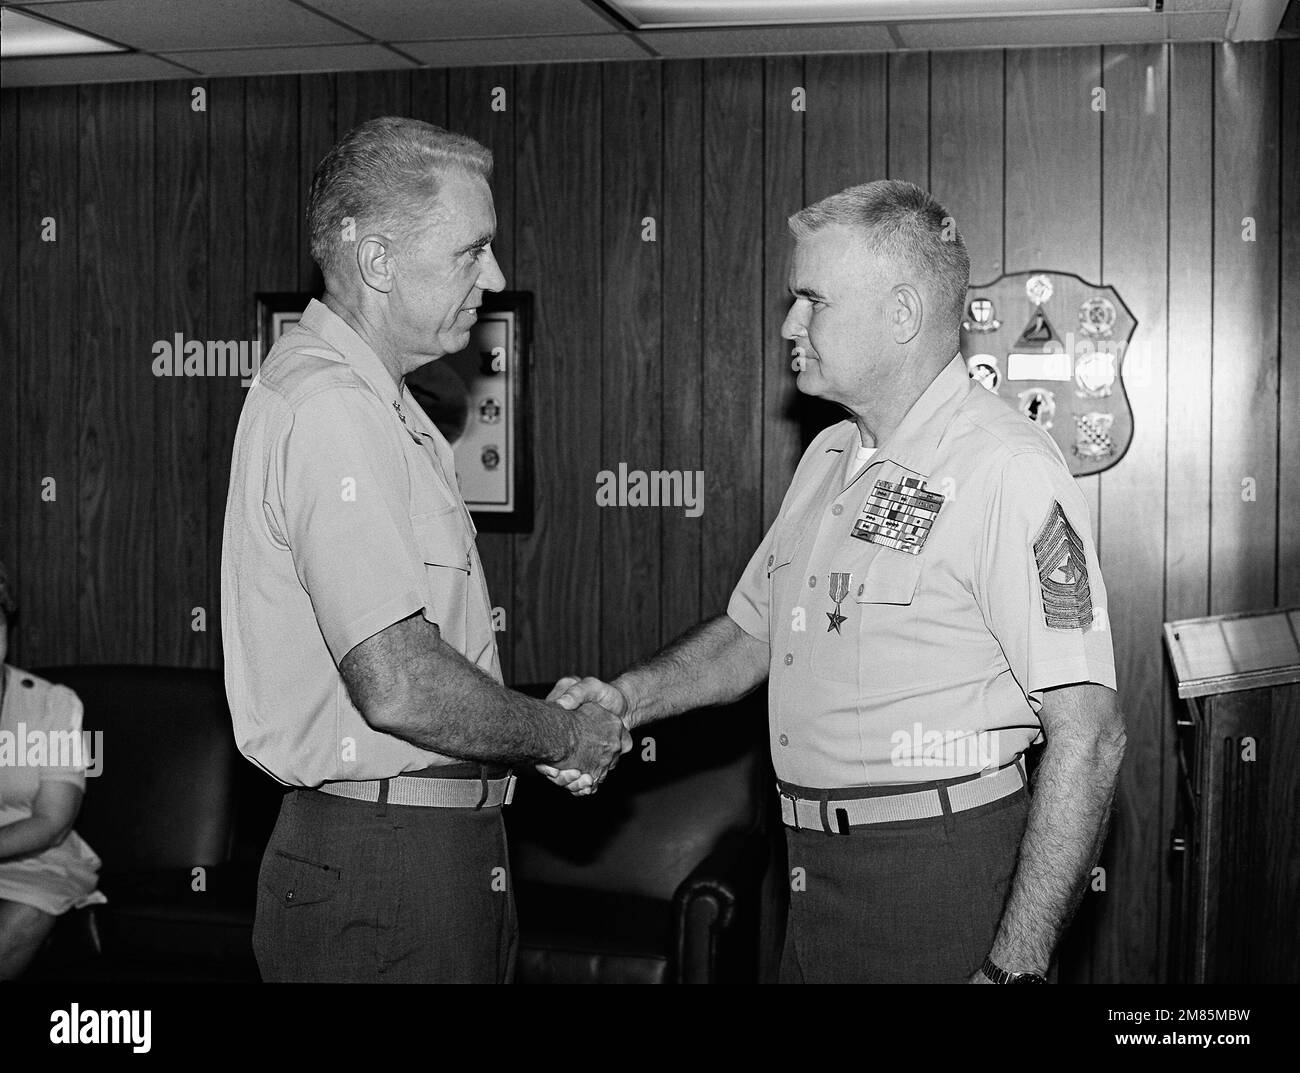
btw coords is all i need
(601, 733)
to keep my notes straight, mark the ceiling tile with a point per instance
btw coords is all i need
(1175, 7)
(422, 20)
(283, 61)
(768, 40)
(158, 25)
(1062, 30)
(62, 70)
(498, 50)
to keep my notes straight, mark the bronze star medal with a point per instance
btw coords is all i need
(839, 590)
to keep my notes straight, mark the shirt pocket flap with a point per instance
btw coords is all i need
(441, 539)
(777, 560)
(891, 579)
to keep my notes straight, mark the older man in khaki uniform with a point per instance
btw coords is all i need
(361, 666)
(926, 605)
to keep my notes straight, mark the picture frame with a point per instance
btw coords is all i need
(477, 398)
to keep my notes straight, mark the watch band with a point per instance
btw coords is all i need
(1001, 976)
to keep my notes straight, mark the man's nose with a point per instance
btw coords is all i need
(492, 278)
(792, 327)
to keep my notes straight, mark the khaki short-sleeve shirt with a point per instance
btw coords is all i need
(343, 517)
(922, 651)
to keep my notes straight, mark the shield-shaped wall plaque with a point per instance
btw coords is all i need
(1053, 345)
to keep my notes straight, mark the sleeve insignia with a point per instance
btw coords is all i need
(1062, 573)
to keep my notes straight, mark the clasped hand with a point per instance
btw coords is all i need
(602, 733)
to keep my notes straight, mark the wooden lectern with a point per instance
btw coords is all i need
(1236, 840)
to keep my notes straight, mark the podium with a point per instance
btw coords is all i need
(1235, 848)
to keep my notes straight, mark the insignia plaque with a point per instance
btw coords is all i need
(1097, 317)
(1092, 439)
(1094, 373)
(1039, 288)
(983, 369)
(980, 312)
(1039, 405)
(1069, 382)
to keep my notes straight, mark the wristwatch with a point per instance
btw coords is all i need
(1001, 976)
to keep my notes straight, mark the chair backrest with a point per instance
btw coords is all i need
(165, 795)
(685, 782)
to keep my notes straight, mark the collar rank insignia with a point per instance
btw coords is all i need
(1062, 573)
(840, 585)
(899, 516)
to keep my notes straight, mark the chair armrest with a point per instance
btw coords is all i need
(709, 902)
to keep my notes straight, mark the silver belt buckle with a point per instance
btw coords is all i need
(794, 808)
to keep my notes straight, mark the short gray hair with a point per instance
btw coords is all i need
(904, 225)
(381, 174)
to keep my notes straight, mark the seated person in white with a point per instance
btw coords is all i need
(45, 868)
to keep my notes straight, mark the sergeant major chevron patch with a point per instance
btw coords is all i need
(1063, 573)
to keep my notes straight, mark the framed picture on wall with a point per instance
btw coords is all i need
(277, 312)
(477, 398)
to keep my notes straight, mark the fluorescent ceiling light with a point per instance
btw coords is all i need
(678, 14)
(25, 35)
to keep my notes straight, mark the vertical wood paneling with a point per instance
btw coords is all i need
(369, 94)
(49, 312)
(733, 312)
(845, 140)
(966, 151)
(461, 100)
(429, 96)
(317, 122)
(1191, 330)
(1129, 914)
(557, 584)
(115, 398)
(783, 196)
(681, 238)
(272, 222)
(1243, 528)
(1288, 514)
(1053, 220)
(630, 378)
(909, 118)
(180, 508)
(230, 311)
(10, 340)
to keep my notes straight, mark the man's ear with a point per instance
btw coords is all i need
(905, 314)
(375, 261)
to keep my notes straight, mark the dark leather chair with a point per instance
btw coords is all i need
(667, 874)
(179, 820)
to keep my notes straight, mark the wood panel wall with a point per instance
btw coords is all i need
(667, 355)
